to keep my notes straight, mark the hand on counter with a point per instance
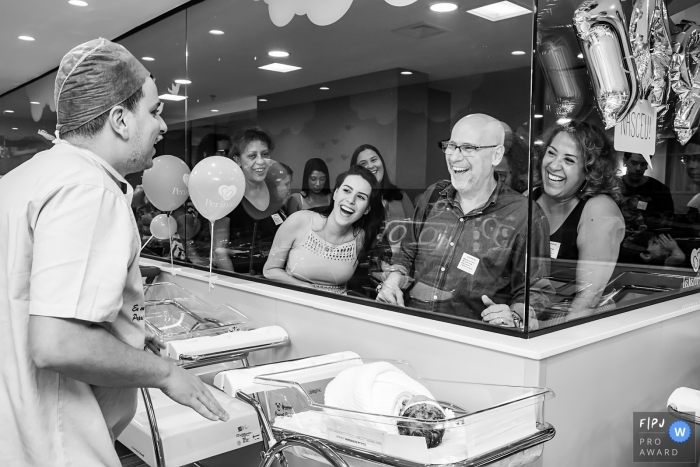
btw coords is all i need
(499, 315)
(187, 389)
(390, 292)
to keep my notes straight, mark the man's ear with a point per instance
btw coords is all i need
(118, 122)
(498, 155)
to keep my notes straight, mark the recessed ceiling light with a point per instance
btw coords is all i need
(35, 103)
(214, 110)
(147, 59)
(78, 3)
(278, 53)
(443, 7)
(216, 32)
(324, 88)
(15, 128)
(538, 115)
(183, 81)
(517, 52)
(262, 100)
(172, 97)
(9, 111)
(406, 72)
(25, 38)
(564, 120)
(279, 67)
(580, 55)
(499, 11)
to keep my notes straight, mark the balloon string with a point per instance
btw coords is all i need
(144, 245)
(170, 237)
(211, 254)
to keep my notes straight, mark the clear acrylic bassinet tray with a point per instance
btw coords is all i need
(487, 418)
(173, 313)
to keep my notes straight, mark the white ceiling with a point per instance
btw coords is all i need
(58, 27)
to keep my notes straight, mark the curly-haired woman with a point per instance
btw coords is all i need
(578, 190)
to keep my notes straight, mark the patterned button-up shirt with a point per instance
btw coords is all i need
(458, 257)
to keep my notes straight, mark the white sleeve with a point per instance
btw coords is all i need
(82, 249)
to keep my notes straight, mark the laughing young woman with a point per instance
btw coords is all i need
(578, 194)
(321, 250)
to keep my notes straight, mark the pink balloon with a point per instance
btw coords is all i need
(165, 183)
(163, 226)
(216, 187)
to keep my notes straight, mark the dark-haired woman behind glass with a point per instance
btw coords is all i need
(578, 190)
(315, 188)
(397, 205)
(321, 250)
(246, 234)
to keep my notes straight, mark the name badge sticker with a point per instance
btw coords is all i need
(277, 218)
(468, 263)
(554, 249)
(642, 205)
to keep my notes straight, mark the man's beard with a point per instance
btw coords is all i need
(138, 161)
(463, 184)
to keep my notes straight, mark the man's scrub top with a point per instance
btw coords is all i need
(69, 248)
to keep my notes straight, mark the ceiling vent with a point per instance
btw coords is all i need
(420, 30)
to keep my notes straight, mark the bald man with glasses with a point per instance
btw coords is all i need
(474, 265)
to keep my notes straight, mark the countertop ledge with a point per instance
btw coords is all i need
(537, 348)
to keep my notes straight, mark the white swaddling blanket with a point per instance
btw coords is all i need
(375, 388)
(685, 400)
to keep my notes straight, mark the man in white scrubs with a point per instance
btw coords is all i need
(71, 299)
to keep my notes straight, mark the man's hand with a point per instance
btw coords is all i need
(187, 389)
(391, 292)
(153, 343)
(499, 315)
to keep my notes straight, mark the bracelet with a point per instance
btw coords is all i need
(379, 287)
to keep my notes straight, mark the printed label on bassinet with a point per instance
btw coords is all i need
(355, 435)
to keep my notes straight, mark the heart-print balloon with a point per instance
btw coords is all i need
(227, 192)
(186, 179)
(216, 187)
(695, 259)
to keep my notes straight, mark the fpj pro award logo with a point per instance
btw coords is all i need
(660, 437)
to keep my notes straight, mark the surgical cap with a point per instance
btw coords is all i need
(92, 78)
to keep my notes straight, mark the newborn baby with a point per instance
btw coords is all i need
(382, 389)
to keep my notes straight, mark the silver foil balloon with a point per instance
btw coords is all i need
(567, 82)
(651, 46)
(602, 33)
(684, 74)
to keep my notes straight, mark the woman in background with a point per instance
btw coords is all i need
(321, 250)
(577, 188)
(315, 188)
(247, 232)
(397, 204)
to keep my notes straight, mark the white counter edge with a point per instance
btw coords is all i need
(537, 348)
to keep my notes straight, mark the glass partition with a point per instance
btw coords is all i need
(625, 226)
(376, 84)
(364, 182)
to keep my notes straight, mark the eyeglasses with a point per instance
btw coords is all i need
(448, 147)
(694, 158)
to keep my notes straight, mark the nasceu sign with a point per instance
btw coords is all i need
(637, 131)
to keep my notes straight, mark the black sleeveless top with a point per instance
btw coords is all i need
(567, 234)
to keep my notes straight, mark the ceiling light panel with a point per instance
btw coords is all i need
(78, 3)
(443, 7)
(147, 59)
(25, 38)
(278, 53)
(279, 67)
(216, 32)
(183, 81)
(499, 11)
(172, 97)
